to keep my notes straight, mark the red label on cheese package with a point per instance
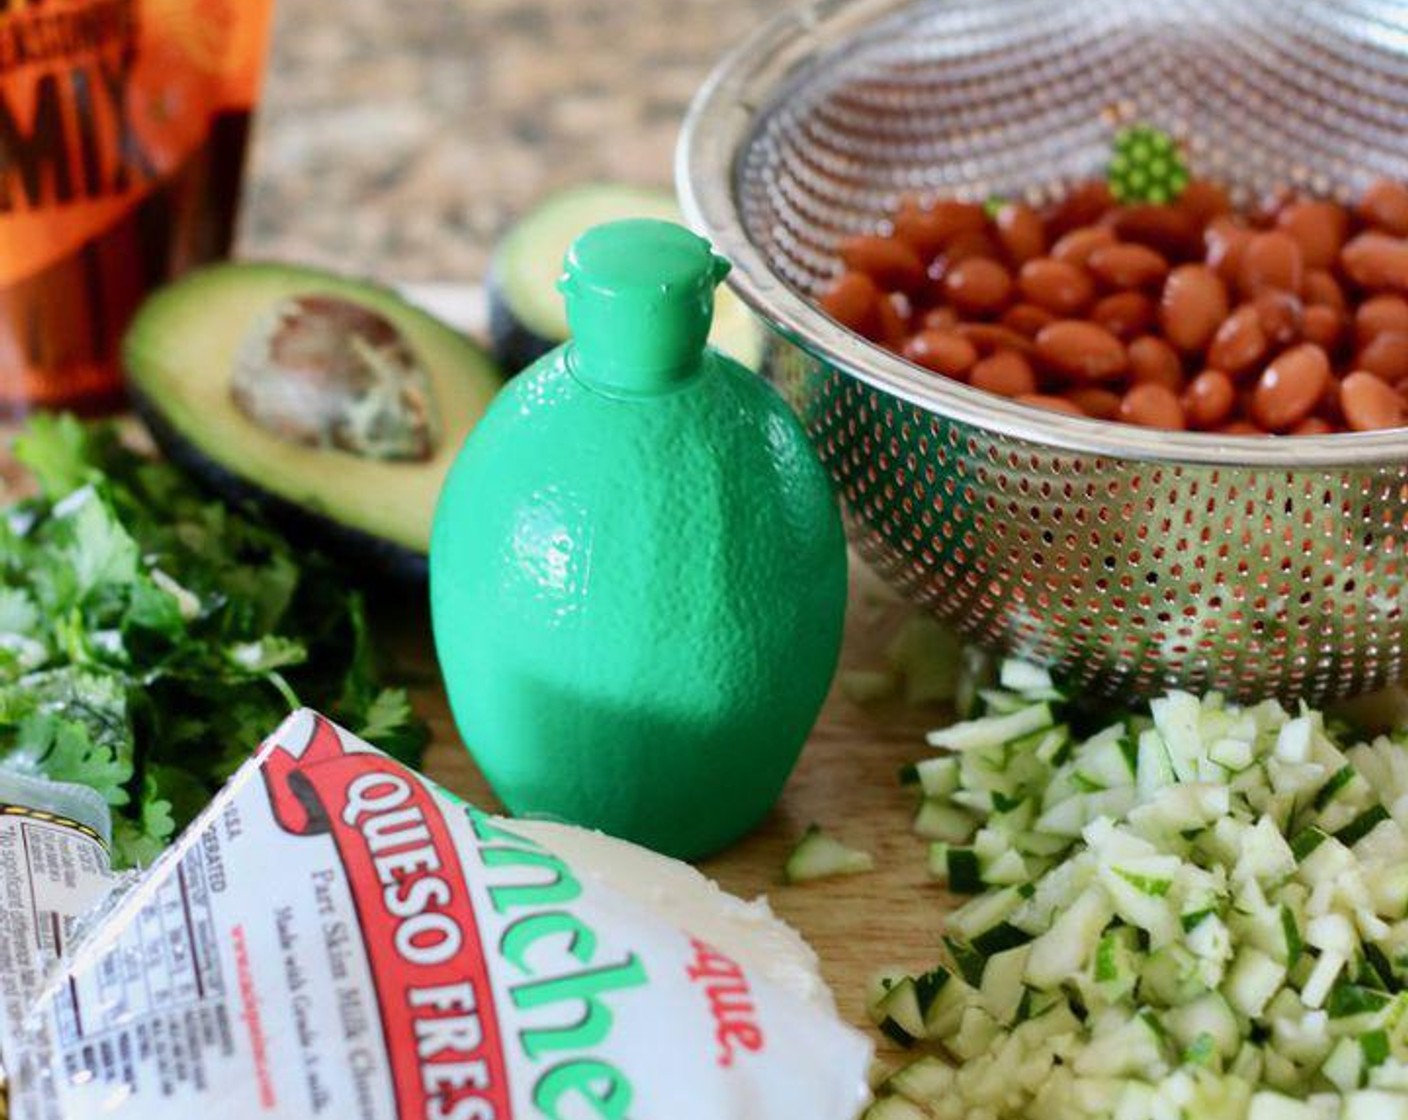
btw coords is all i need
(337, 936)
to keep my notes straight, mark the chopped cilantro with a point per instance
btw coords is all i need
(151, 637)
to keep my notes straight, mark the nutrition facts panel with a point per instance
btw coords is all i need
(51, 871)
(155, 1008)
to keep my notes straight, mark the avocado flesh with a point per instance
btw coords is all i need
(179, 356)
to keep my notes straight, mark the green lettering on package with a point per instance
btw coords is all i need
(595, 1022)
(559, 887)
(600, 1087)
(527, 931)
(488, 831)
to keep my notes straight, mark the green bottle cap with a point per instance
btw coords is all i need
(640, 302)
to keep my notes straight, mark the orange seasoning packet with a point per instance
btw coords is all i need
(122, 139)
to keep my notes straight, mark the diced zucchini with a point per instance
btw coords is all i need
(929, 656)
(1008, 869)
(1375, 1104)
(957, 866)
(969, 962)
(1139, 892)
(1000, 702)
(1049, 746)
(1265, 855)
(1105, 762)
(1066, 947)
(1338, 781)
(1362, 825)
(976, 1032)
(1305, 843)
(899, 1014)
(1170, 976)
(1155, 766)
(1231, 754)
(894, 1108)
(1275, 930)
(880, 984)
(937, 819)
(1209, 1016)
(1217, 905)
(1023, 676)
(1252, 980)
(867, 686)
(938, 777)
(1345, 1066)
(1000, 938)
(993, 731)
(819, 856)
(1268, 1105)
(1133, 1049)
(1115, 967)
(1002, 989)
(976, 670)
(983, 914)
(945, 1011)
(924, 1079)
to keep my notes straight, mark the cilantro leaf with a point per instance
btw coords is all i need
(390, 723)
(56, 451)
(61, 750)
(150, 637)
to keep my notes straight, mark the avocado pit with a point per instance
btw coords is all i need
(323, 371)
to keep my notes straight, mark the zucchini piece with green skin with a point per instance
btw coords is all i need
(993, 731)
(900, 1016)
(984, 914)
(1209, 1016)
(903, 1012)
(819, 856)
(526, 317)
(1341, 778)
(1362, 825)
(1115, 967)
(922, 1080)
(1002, 989)
(956, 867)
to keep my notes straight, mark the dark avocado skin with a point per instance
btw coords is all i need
(377, 557)
(512, 344)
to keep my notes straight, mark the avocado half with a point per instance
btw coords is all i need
(180, 355)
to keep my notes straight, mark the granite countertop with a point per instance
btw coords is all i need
(398, 140)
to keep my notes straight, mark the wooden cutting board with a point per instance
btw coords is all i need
(846, 781)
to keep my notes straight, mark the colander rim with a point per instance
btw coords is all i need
(729, 111)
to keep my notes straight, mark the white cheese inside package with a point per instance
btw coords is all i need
(337, 936)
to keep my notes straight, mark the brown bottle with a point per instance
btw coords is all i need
(122, 137)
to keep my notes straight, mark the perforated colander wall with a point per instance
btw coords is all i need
(1129, 571)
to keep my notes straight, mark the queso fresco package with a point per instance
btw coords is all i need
(336, 936)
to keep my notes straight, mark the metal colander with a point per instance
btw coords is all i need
(1131, 559)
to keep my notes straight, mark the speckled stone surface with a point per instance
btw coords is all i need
(398, 139)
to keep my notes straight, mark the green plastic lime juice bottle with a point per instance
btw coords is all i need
(637, 570)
